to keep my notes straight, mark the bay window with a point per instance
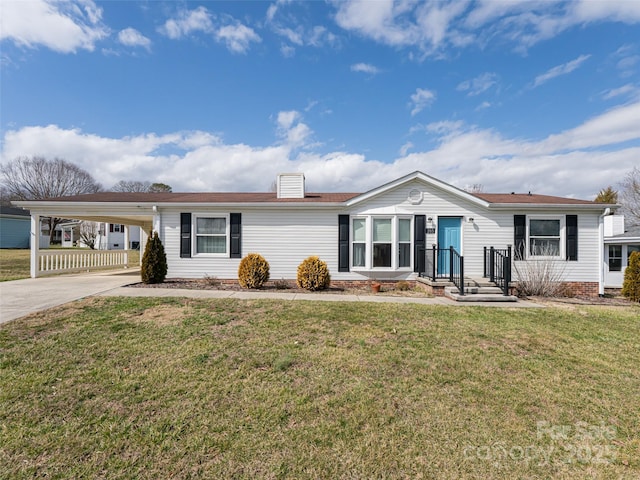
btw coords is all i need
(381, 242)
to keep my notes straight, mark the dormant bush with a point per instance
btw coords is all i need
(253, 271)
(313, 274)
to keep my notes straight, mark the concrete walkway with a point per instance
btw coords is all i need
(22, 297)
(320, 297)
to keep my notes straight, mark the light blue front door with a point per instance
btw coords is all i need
(448, 236)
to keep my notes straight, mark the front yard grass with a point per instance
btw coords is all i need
(184, 388)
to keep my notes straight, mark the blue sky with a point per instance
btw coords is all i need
(222, 96)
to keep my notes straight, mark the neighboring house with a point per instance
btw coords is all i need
(111, 237)
(619, 244)
(70, 233)
(15, 227)
(397, 231)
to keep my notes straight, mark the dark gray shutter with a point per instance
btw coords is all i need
(343, 243)
(185, 235)
(236, 235)
(572, 237)
(419, 242)
(520, 236)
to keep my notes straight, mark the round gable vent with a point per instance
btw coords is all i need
(415, 196)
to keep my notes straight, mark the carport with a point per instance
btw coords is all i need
(49, 261)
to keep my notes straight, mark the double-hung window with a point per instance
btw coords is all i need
(211, 234)
(545, 237)
(630, 250)
(359, 244)
(404, 242)
(382, 242)
(615, 258)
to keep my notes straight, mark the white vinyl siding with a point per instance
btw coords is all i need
(285, 235)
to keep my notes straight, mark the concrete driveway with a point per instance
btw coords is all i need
(22, 297)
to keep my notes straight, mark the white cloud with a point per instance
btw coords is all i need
(421, 99)
(133, 38)
(559, 70)
(365, 68)
(405, 148)
(187, 22)
(482, 106)
(433, 25)
(237, 37)
(628, 89)
(62, 26)
(601, 149)
(480, 84)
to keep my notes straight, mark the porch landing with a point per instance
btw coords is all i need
(476, 290)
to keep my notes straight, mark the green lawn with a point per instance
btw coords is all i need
(15, 263)
(182, 388)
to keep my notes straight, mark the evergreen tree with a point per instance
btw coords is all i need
(154, 261)
(631, 285)
(607, 195)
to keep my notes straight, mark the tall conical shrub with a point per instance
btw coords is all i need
(631, 284)
(154, 261)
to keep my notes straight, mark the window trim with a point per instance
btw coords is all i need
(194, 236)
(395, 242)
(562, 237)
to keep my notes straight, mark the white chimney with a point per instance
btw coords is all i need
(290, 185)
(613, 225)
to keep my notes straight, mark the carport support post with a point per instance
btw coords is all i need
(126, 246)
(35, 244)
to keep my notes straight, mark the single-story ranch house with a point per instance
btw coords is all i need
(413, 226)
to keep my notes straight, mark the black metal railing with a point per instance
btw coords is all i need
(497, 267)
(445, 264)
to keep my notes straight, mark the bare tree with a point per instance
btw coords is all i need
(37, 178)
(89, 234)
(474, 188)
(630, 197)
(140, 186)
(131, 186)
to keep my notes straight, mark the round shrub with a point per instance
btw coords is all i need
(313, 274)
(631, 284)
(154, 261)
(253, 271)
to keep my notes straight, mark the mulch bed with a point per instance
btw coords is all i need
(204, 284)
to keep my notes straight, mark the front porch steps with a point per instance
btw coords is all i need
(478, 290)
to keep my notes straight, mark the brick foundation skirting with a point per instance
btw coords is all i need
(569, 289)
(580, 289)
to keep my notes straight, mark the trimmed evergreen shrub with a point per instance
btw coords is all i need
(154, 261)
(631, 285)
(253, 271)
(313, 274)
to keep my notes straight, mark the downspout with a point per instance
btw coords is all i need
(607, 212)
